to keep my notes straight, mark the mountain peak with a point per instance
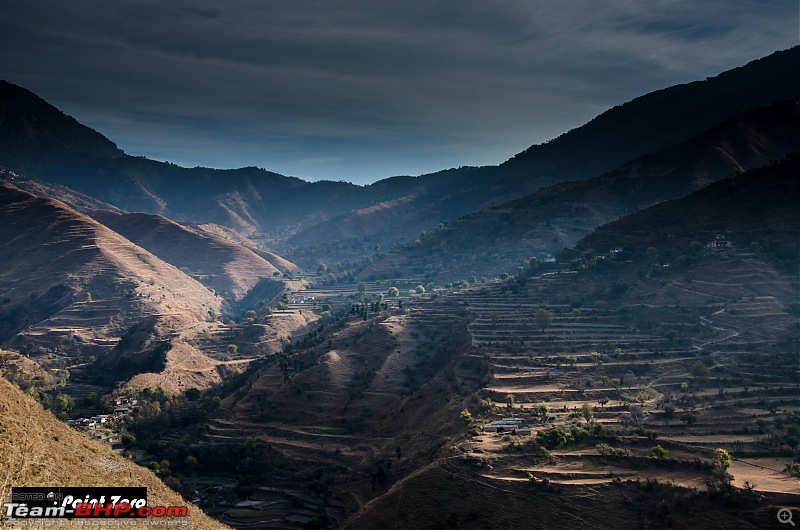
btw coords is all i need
(30, 128)
(661, 118)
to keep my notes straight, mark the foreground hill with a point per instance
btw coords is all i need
(457, 493)
(229, 268)
(38, 450)
(499, 238)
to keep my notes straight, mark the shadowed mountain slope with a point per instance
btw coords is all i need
(623, 133)
(40, 140)
(34, 134)
(664, 117)
(755, 211)
(500, 237)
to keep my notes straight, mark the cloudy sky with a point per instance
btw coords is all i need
(362, 90)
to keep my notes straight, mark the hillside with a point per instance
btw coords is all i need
(236, 238)
(76, 201)
(331, 421)
(360, 423)
(70, 286)
(499, 238)
(456, 493)
(357, 421)
(649, 361)
(229, 268)
(663, 117)
(34, 134)
(755, 212)
(38, 450)
(218, 257)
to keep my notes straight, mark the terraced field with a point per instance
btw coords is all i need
(637, 368)
(333, 412)
(334, 416)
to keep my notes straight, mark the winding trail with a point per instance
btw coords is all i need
(717, 356)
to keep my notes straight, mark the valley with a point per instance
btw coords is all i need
(601, 331)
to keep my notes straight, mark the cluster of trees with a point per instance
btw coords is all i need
(340, 255)
(45, 387)
(558, 437)
(436, 346)
(781, 252)
(156, 413)
(253, 462)
(363, 310)
(606, 450)
(610, 293)
(552, 439)
(783, 432)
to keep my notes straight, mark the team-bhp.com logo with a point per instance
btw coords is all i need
(127, 502)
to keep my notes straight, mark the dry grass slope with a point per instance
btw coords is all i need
(38, 450)
(227, 266)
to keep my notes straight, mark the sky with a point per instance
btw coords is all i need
(363, 90)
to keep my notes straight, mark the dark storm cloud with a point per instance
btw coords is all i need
(361, 90)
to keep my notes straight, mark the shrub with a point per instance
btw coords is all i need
(689, 418)
(552, 439)
(542, 319)
(722, 458)
(579, 434)
(659, 452)
(543, 411)
(648, 433)
(598, 429)
(607, 450)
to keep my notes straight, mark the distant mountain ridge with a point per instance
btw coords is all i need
(77, 201)
(663, 117)
(498, 238)
(38, 139)
(623, 133)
